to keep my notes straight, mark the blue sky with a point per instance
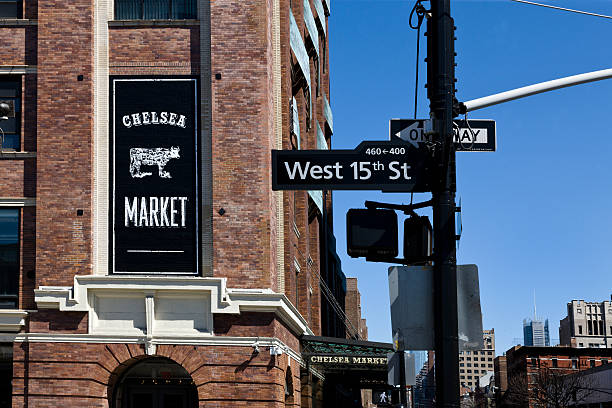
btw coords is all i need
(537, 214)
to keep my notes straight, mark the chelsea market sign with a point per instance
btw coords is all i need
(154, 176)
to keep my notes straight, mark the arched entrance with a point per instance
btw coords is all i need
(155, 383)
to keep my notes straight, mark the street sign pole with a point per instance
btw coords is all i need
(441, 94)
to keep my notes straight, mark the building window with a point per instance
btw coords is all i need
(554, 363)
(590, 326)
(10, 93)
(10, 9)
(580, 344)
(9, 257)
(155, 9)
(574, 363)
(579, 329)
(6, 373)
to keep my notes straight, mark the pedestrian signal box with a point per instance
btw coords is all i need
(417, 237)
(371, 233)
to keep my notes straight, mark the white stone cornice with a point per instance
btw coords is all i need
(268, 301)
(223, 300)
(12, 320)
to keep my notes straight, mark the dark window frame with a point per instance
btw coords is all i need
(156, 9)
(13, 291)
(11, 128)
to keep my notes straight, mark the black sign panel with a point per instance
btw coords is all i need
(475, 135)
(154, 174)
(386, 166)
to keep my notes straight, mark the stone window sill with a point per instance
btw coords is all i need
(153, 23)
(17, 22)
(4, 155)
(12, 320)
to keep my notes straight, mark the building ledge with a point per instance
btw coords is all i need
(17, 202)
(154, 23)
(12, 320)
(17, 22)
(7, 155)
(85, 292)
(18, 69)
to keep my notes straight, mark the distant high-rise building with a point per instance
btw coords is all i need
(587, 324)
(475, 364)
(535, 333)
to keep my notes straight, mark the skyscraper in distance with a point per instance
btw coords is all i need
(535, 332)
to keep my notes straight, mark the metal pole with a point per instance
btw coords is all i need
(534, 89)
(441, 93)
(402, 361)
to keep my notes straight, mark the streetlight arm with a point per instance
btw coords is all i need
(518, 93)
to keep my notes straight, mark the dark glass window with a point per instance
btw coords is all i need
(10, 93)
(155, 9)
(10, 8)
(9, 257)
(6, 374)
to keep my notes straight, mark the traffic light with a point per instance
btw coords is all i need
(417, 237)
(371, 233)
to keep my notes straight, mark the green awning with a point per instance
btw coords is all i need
(295, 120)
(311, 26)
(318, 5)
(327, 112)
(298, 48)
(333, 346)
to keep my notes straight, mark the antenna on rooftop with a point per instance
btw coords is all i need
(563, 9)
(535, 311)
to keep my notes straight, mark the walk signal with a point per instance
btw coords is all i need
(371, 233)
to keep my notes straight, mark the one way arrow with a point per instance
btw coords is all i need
(412, 134)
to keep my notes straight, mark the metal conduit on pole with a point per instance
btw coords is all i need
(534, 89)
(441, 94)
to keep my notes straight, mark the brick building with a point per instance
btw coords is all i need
(538, 368)
(144, 257)
(353, 308)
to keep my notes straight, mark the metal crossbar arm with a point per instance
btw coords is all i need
(406, 208)
(525, 91)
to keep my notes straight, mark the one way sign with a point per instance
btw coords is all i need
(479, 136)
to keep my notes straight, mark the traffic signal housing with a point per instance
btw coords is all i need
(417, 237)
(371, 233)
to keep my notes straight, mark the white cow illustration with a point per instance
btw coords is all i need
(156, 156)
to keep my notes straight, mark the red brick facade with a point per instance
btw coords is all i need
(531, 366)
(61, 355)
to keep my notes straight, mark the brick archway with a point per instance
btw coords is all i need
(154, 381)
